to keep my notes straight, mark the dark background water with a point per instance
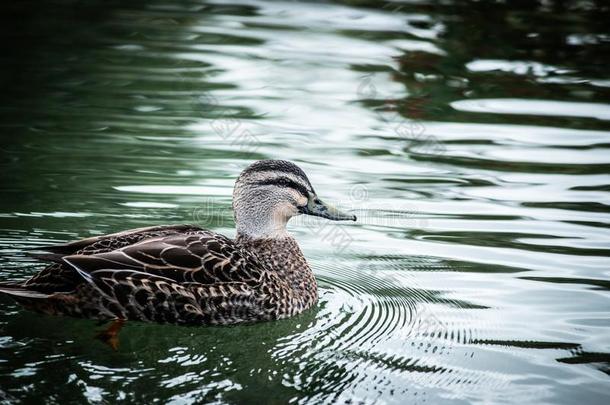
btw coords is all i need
(471, 138)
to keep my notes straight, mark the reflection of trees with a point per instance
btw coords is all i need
(564, 34)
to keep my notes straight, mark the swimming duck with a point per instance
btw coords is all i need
(183, 274)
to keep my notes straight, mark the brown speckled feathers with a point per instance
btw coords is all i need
(175, 274)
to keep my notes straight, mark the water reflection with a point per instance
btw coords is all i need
(470, 138)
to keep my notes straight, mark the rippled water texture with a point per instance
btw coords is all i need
(471, 139)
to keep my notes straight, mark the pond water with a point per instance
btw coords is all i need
(472, 139)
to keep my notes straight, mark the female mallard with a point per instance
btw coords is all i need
(186, 275)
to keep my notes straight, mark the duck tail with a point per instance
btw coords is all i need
(21, 291)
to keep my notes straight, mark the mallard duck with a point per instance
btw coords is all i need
(183, 274)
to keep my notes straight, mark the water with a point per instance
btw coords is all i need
(471, 139)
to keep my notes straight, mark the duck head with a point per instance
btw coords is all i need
(270, 192)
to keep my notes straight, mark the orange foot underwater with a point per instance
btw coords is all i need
(110, 336)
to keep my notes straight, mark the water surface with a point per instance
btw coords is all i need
(471, 139)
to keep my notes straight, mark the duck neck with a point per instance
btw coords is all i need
(266, 222)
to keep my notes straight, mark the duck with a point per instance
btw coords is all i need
(187, 275)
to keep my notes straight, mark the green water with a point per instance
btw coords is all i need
(472, 139)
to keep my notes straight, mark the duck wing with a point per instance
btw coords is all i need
(113, 241)
(202, 278)
(204, 258)
(59, 277)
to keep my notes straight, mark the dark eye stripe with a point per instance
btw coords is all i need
(284, 182)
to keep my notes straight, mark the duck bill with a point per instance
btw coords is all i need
(319, 208)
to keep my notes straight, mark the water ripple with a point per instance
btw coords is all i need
(472, 143)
